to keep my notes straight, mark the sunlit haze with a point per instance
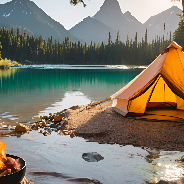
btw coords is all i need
(62, 11)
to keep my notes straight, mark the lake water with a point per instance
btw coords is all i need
(27, 92)
(38, 90)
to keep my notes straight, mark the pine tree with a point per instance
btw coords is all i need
(178, 35)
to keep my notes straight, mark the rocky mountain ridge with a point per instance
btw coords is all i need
(26, 14)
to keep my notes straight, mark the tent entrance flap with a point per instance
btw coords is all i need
(138, 105)
(162, 96)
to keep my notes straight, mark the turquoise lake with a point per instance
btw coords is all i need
(33, 91)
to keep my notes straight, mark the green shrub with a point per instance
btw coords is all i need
(5, 64)
(15, 63)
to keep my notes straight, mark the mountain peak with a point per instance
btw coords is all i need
(26, 14)
(111, 6)
(128, 13)
(110, 14)
(131, 18)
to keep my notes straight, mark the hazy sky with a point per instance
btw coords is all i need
(68, 15)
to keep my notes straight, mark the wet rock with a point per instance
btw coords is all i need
(50, 118)
(57, 118)
(64, 114)
(45, 117)
(34, 127)
(53, 126)
(85, 180)
(181, 159)
(75, 107)
(92, 157)
(43, 123)
(40, 131)
(162, 182)
(72, 135)
(45, 133)
(21, 128)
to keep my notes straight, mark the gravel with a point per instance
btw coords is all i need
(100, 123)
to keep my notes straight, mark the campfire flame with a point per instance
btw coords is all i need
(8, 165)
(2, 155)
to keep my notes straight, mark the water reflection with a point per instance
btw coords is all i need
(25, 92)
(164, 165)
(70, 98)
(7, 73)
(62, 158)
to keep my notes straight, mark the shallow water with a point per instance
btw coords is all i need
(58, 159)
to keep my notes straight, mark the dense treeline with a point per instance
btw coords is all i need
(22, 47)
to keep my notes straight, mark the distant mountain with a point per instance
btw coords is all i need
(27, 14)
(155, 24)
(131, 18)
(93, 30)
(110, 14)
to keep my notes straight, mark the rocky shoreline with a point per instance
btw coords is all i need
(98, 122)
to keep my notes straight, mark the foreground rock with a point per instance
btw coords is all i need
(92, 157)
(21, 128)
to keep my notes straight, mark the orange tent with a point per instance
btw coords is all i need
(161, 84)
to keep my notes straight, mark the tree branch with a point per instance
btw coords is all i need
(75, 2)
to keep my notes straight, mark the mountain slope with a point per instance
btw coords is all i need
(26, 13)
(110, 14)
(91, 29)
(155, 24)
(131, 18)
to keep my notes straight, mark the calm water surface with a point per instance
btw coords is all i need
(27, 92)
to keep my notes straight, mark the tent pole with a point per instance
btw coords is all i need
(153, 90)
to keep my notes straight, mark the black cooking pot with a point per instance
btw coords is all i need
(16, 177)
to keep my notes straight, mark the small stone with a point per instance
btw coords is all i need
(58, 118)
(72, 135)
(21, 128)
(162, 182)
(45, 133)
(44, 123)
(34, 127)
(45, 117)
(181, 159)
(92, 157)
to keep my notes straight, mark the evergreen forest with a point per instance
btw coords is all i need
(23, 48)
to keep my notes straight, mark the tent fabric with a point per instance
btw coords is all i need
(160, 84)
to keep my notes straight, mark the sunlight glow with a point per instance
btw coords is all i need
(169, 172)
